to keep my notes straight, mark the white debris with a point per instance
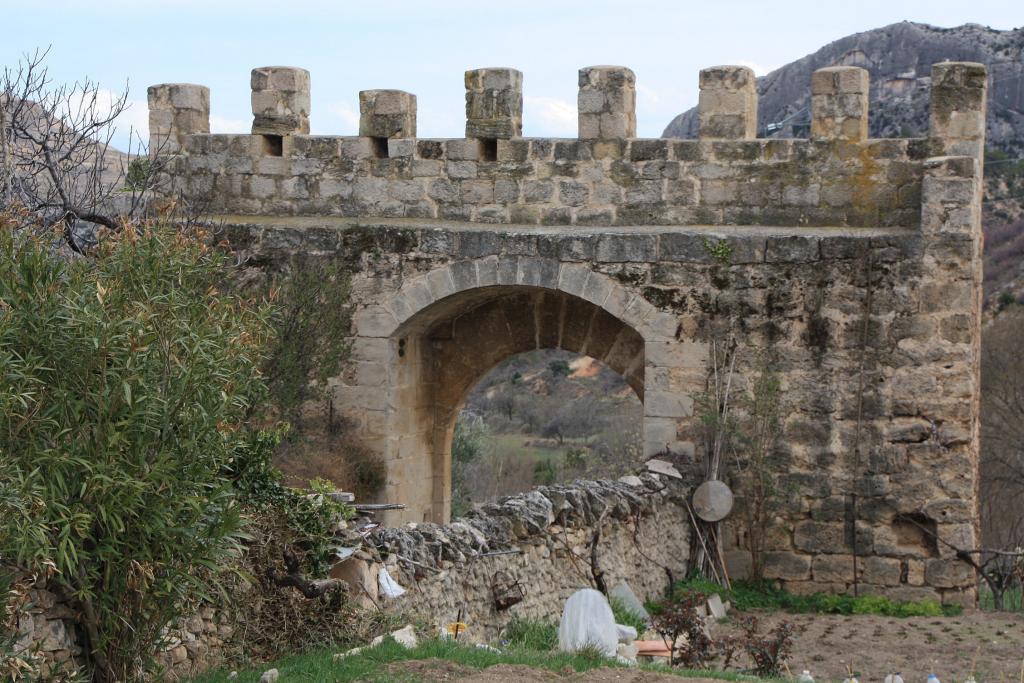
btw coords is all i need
(715, 606)
(406, 636)
(806, 677)
(626, 634)
(485, 646)
(631, 480)
(625, 653)
(341, 655)
(587, 622)
(389, 588)
(627, 598)
(269, 676)
(662, 467)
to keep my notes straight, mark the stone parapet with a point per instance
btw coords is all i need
(387, 114)
(280, 100)
(606, 103)
(839, 104)
(727, 108)
(606, 176)
(957, 110)
(176, 110)
(494, 103)
(562, 181)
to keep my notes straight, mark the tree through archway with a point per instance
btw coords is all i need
(543, 417)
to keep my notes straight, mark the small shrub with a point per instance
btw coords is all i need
(137, 177)
(768, 651)
(312, 319)
(678, 617)
(748, 595)
(544, 473)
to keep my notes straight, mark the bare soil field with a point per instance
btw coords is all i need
(989, 643)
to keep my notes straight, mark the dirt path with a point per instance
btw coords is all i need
(437, 670)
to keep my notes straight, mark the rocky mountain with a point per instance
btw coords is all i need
(899, 58)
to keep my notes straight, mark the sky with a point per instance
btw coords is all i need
(424, 47)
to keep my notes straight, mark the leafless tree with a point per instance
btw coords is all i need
(1002, 428)
(56, 161)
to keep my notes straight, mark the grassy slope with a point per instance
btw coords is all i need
(371, 664)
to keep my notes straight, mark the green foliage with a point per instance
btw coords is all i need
(720, 250)
(544, 472)
(1005, 299)
(312, 320)
(678, 616)
(625, 617)
(529, 634)
(769, 651)
(124, 380)
(576, 459)
(757, 437)
(746, 596)
(559, 368)
(469, 443)
(137, 177)
(306, 519)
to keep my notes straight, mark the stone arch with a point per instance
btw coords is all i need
(443, 330)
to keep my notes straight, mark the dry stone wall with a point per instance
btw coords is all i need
(853, 263)
(548, 541)
(46, 628)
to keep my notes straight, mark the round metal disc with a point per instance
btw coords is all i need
(712, 501)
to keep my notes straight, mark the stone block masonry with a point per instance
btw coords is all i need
(854, 263)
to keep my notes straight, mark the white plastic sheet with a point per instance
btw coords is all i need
(587, 621)
(388, 586)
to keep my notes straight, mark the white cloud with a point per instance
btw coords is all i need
(224, 124)
(347, 114)
(550, 115)
(758, 68)
(647, 95)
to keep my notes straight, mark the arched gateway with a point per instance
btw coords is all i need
(854, 263)
(443, 330)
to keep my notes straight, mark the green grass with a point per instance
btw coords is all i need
(371, 664)
(527, 634)
(747, 596)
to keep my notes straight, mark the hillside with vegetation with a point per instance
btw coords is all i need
(542, 417)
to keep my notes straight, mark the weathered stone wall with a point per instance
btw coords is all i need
(46, 627)
(605, 177)
(642, 538)
(562, 182)
(853, 263)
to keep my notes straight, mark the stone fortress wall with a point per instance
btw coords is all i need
(854, 263)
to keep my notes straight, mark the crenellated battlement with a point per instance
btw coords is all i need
(606, 176)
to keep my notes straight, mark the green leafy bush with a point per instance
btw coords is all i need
(311, 320)
(124, 382)
(747, 596)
